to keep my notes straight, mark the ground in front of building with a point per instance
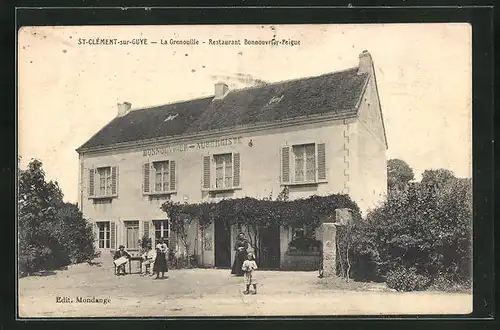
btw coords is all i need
(214, 292)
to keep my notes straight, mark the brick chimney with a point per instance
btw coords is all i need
(123, 108)
(221, 90)
(365, 63)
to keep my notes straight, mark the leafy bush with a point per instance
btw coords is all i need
(180, 260)
(426, 226)
(145, 242)
(52, 234)
(449, 283)
(407, 279)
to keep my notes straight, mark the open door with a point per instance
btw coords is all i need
(222, 238)
(269, 253)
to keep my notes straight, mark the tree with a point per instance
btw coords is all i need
(399, 174)
(422, 232)
(74, 233)
(51, 233)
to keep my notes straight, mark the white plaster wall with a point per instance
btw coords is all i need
(260, 175)
(369, 178)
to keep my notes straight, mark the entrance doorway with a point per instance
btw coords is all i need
(269, 252)
(222, 238)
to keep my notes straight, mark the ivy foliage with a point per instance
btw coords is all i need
(256, 213)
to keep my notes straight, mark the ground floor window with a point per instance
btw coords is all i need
(162, 230)
(104, 234)
(132, 234)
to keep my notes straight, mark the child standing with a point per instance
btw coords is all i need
(249, 267)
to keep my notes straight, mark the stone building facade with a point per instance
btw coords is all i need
(317, 136)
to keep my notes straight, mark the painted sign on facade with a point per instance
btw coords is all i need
(200, 145)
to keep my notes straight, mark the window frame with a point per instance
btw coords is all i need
(292, 164)
(152, 176)
(108, 184)
(162, 230)
(106, 229)
(108, 192)
(305, 158)
(213, 172)
(165, 179)
(224, 157)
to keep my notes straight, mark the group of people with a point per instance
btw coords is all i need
(157, 258)
(244, 263)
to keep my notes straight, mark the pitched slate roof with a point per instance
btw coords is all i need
(336, 92)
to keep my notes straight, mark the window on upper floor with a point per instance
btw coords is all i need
(221, 171)
(103, 182)
(162, 176)
(303, 163)
(104, 174)
(159, 177)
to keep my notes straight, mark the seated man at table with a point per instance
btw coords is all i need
(121, 258)
(149, 258)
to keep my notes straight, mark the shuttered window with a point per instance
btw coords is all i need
(304, 163)
(221, 171)
(159, 177)
(103, 182)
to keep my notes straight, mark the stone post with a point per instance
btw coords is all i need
(329, 234)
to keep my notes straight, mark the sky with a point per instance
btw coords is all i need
(67, 90)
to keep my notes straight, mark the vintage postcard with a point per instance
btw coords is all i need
(245, 170)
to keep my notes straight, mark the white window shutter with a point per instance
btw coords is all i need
(285, 165)
(236, 170)
(146, 231)
(112, 235)
(95, 230)
(145, 178)
(173, 176)
(152, 177)
(206, 173)
(91, 190)
(114, 180)
(321, 161)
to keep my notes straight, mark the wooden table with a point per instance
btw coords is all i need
(135, 258)
(130, 263)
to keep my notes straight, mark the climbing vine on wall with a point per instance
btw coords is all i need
(254, 213)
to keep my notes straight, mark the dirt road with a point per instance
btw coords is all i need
(213, 292)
